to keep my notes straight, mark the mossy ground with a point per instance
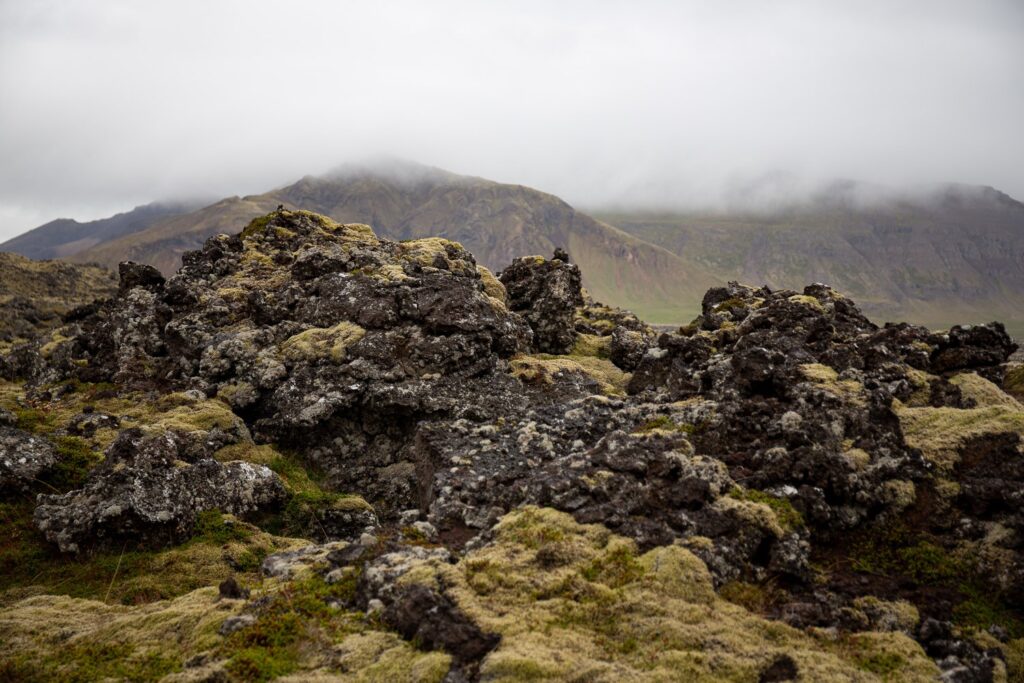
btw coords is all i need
(575, 602)
(902, 556)
(221, 547)
(940, 432)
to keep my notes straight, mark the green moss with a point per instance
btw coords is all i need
(76, 459)
(1013, 383)
(981, 609)
(222, 546)
(665, 423)
(615, 568)
(89, 661)
(880, 663)
(730, 304)
(756, 597)
(31, 419)
(212, 527)
(257, 225)
(787, 516)
(297, 618)
(896, 551)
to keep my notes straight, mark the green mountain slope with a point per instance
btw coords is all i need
(953, 255)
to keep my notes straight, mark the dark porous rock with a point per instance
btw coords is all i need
(146, 493)
(230, 590)
(981, 348)
(546, 293)
(23, 458)
(432, 620)
(782, 668)
(131, 274)
(338, 355)
(628, 348)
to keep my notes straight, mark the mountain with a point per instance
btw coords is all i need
(495, 221)
(34, 294)
(951, 254)
(65, 237)
(954, 253)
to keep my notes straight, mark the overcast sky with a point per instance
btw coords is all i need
(105, 105)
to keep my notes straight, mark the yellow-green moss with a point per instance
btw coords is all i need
(428, 250)
(664, 423)
(592, 346)
(782, 510)
(1013, 383)
(548, 369)
(492, 285)
(940, 432)
(573, 602)
(828, 379)
(179, 412)
(982, 392)
(807, 301)
(320, 342)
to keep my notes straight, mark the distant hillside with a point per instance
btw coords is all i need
(950, 255)
(34, 294)
(65, 237)
(494, 221)
(955, 254)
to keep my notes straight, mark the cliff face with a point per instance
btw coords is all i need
(35, 294)
(316, 452)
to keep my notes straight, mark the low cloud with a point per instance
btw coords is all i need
(110, 104)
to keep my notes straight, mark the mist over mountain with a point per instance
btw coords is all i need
(935, 255)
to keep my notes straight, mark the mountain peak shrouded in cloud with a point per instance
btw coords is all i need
(392, 168)
(108, 105)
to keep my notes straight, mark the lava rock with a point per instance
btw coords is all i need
(546, 293)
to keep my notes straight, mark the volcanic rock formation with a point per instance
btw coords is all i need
(501, 478)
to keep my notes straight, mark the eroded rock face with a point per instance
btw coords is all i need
(546, 293)
(146, 493)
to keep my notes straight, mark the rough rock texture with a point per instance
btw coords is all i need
(546, 293)
(147, 493)
(809, 465)
(23, 457)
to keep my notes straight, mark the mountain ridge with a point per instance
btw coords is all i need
(946, 254)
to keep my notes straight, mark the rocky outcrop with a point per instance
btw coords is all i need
(817, 468)
(150, 492)
(546, 293)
